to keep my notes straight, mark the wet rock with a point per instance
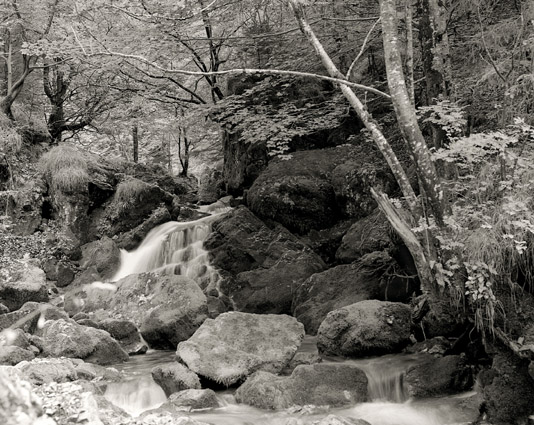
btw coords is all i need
(44, 371)
(3, 309)
(25, 282)
(302, 359)
(17, 401)
(175, 377)
(103, 254)
(211, 187)
(332, 289)
(68, 339)
(326, 242)
(320, 384)
(368, 234)
(365, 328)
(12, 355)
(131, 239)
(192, 400)
(126, 333)
(438, 376)
(90, 371)
(261, 267)
(166, 309)
(437, 346)
(234, 345)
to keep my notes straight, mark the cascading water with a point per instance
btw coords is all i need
(174, 248)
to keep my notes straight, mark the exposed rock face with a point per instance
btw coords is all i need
(365, 328)
(175, 377)
(167, 309)
(261, 267)
(103, 254)
(332, 289)
(26, 282)
(438, 376)
(44, 371)
(24, 208)
(234, 345)
(368, 234)
(319, 384)
(314, 189)
(131, 239)
(68, 339)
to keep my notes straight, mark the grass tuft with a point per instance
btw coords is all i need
(65, 169)
(129, 192)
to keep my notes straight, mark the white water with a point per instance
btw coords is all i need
(174, 248)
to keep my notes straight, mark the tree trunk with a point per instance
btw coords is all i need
(405, 111)
(135, 140)
(183, 152)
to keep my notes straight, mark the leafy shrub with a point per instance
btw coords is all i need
(65, 169)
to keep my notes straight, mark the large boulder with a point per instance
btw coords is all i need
(103, 254)
(368, 234)
(28, 316)
(234, 345)
(449, 375)
(24, 208)
(260, 267)
(175, 377)
(21, 283)
(12, 355)
(63, 338)
(126, 334)
(314, 189)
(365, 328)
(332, 289)
(320, 384)
(44, 371)
(167, 309)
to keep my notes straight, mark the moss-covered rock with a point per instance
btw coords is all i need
(175, 377)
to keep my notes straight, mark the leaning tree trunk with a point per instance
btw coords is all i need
(135, 141)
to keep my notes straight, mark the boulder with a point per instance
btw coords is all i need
(175, 377)
(65, 274)
(260, 267)
(23, 283)
(90, 371)
(18, 404)
(24, 208)
(12, 355)
(449, 375)
(302, 358)
(368, 234)
(3, 309)
(320, 384)
(326, 242)
(30, 315)
(63, 338)
(365, 328)
(44, 371)
(126, 334)
(103, 254)
(234, 345)
(14, 337)
(332, 289)
(314, 189)
(192, 400)
(165, 308)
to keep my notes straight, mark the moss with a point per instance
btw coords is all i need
(129, 192)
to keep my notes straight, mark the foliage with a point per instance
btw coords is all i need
(65, 169)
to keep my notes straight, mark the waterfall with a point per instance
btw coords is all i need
(174, 248)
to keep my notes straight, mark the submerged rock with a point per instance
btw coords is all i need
(175, 377)
(320, 384)
(234, 345)
(63, 338)
(260, 267)
(365, 328)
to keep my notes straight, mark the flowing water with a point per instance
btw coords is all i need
(178, 248)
